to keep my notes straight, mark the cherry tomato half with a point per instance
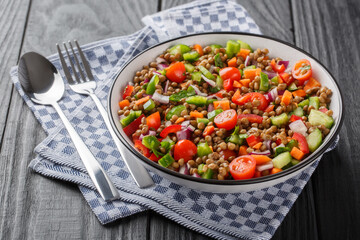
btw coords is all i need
(242, 167)
(250, 97)
(302, 70)
(226, 154)
(176, 72)
(184, 149)
(253, 118)
(226, 119)
(230, 73)
(128, 91)
(154, 120)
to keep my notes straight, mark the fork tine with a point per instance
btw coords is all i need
(84, 61)
(64, 66)
(77, 62)
(71, 63)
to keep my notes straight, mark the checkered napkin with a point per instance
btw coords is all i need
(251, 215)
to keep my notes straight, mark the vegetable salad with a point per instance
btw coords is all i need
(225, 112)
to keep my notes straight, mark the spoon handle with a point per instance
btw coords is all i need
(138, 171)
(97, 174)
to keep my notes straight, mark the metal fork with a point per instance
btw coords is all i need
(87, 85)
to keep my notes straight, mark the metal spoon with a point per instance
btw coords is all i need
(41, 81)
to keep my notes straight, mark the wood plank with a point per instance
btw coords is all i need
(34, 207)
(330, 32)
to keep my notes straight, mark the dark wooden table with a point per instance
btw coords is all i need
(34, 207)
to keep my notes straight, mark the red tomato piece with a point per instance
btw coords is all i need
(133, 126)
(230, 73)
(226, 119)
(303, 145)
(252, 140)
(287, 78)
(302, 71)
(154, 120)
(277, 68)
(228, 84)
(184, 149)
(236, 97)
(253, 118)
(250, 97)
(294, 118)
(170, 129)
(141, 148)
(243, 167)
(227, 154)
(154, 158)
(176, 72)
(128, 91)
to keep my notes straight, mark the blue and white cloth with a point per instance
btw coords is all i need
(251, 215)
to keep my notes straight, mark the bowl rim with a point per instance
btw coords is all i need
(301, 166)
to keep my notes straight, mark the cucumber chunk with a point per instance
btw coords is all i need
(319, 118)
(315, 102)
(299, 112)
(282, 160)
(244, 45)
(314, 140)
(280, 120)
(304, 103)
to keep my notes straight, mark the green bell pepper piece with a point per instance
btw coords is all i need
(208, 174)
(196, 76)
(175, 111)
(209, 101)
(250, 67)
(129, 118)
(179, 48)
(152, 143)
(166, 160)
(304, 103)
(197, 100)
(167, 143)
(191, 56)
(206, 72)
(214, 89)
(244, 45)
(203, 120)
(189, 67)
(275, 80)
(176, 97)
(200, 168)
(280, 150)
(211, 115)
(215, 46)
(150, 89)
(203, 149)
(315, 102)
(232, 48)
(218, 61)
(291, 144)
(292, 87)
(149, 105)
(264, 82)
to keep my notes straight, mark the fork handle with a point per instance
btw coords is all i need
(138, 171)
(101, 180)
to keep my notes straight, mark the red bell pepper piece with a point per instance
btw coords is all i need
(228, 84)
(154, 158)
(276, 67)
(303, 145)
(253, 118)
(128, 91)
(287, 78)
(252, 140)
(294, 118)
(236, 97)
(170, 129)
(144, 150)
(133, 126)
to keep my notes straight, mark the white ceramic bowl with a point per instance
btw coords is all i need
(277, 48)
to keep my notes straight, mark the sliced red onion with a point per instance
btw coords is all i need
(267, 143)
(299, 127)
(196, 175)
(146, 80)
(211, 107)
(273, 94)
(210, 82)
(160, 60)
(160, 98)
(185, 123)
(198, 92)
(270, 74)
(211, 69)
(162, 66)
(266, 166)
(166, 86)
(150, 133)
(266, 153)
(214, 96)
(184, 169)
(247, 61)
(281, 92)
(157, 73)
(191, 128)
(183, 134)
(286, 63)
